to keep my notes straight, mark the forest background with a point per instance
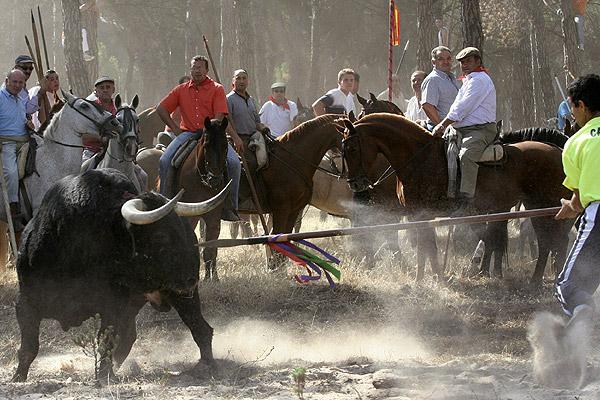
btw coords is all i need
(145, 45)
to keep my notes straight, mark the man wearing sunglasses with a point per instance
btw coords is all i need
(278, 113)
(25, 64)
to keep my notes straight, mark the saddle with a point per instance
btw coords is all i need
(257, 157)
(26, 155)
(177, 161)
(493, 155)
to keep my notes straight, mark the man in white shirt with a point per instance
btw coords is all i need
(414, 112)
(339, 100)
(52, 86)
(473, 114)
(278, 113)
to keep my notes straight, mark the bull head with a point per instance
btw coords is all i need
(135, 213)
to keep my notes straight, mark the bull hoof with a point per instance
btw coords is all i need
(19, 377)
(204, 369)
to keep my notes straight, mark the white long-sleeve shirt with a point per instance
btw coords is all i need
(475, 102)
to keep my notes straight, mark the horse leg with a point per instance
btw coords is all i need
(209, 255)
(234, 229)
(4, 250)
(298, 222)
(421, 254)
(543, 230)
(499, 241)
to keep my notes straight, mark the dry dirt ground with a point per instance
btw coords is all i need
(377, 335)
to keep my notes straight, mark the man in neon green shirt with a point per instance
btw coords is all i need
(580, 276)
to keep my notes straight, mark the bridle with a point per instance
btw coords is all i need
(209, 176)
(102, 126)
(130, 130)
(362, 175)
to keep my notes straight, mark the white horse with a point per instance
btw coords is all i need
(60, 149)
(121, 150)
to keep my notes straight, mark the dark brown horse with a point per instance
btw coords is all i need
(202, 176)
(532, 173)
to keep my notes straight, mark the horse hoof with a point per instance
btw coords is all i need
(17, 377)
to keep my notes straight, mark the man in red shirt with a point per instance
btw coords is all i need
(104, 89)
(197, 99)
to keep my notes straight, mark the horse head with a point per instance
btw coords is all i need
(129, 137)
(96, 121)
(374, 105)
(214, 147)
(304, 113)
(352, 155)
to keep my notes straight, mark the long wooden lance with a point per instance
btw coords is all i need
(36, 42)
(244, 163)
(43, 39)
(32, 54)
(363, 230)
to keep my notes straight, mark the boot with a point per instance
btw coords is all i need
(229, 213)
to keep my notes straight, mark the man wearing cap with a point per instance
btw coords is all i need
(13, 132)
(278, 113)
(439, 88)
(104, 89)
(473, 114)
(339, 100)
(244, 119)
(196, 99)
(25, 64)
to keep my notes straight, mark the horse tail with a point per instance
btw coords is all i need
(544, 135)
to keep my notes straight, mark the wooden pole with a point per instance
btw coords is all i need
(36, 42)
(244, 163)
(32, 54)
(362, 230)
(43, 39)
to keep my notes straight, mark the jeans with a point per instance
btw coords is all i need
(234, 169)
(165, 159)
(11, 173)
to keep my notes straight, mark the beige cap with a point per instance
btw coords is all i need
(467, 52)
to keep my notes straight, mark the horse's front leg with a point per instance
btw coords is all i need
(212, 222)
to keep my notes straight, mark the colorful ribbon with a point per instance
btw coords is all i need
(315, 264)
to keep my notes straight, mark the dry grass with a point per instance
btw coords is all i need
(376, 311)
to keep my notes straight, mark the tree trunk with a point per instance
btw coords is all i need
(89, 21)
(79, 80)
(522, 106)
(547, 102)
(472, 30)
(427, 33)
(571, 54)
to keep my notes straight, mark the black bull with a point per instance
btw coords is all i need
(80, 257)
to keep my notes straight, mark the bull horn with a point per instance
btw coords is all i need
(134, 210)
(196, 209)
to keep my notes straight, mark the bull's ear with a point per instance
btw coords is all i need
(118, 100)
(361, 100)
(207, 123)
(372, 97)
(299, 103)
(351, 116)
(135, 102)
(499, 126)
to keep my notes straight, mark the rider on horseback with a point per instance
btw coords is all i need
(473, 114)
(196, 99)
(13, 133)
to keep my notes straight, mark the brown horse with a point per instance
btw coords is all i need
(532, 173)
(202, 176)
(293, 159)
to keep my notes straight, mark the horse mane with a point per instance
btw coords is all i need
(51, 127)
(544, 135)
(307, 126)
(394, 120)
